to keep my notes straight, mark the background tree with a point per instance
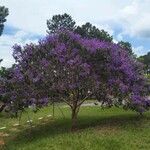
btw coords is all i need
(3, 72)
(89, 31)
(3, 14)
(127, 46)
(58, 22)
(146, 61)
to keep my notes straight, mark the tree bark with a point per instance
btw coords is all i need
(74, 119)
(53, 110)
(2, 107)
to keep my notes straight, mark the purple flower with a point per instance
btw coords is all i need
(44, 62)
(65, 64)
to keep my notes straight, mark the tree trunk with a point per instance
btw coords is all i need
(74, 119)
(53, 110)
(2, 107)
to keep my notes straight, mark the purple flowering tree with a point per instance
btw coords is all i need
(73, 69)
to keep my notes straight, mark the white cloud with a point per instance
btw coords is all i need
(31, 15)
(135, 19)
(120, 37)
(115, 41)
(6, 43)
(105, 27)
(139, 50)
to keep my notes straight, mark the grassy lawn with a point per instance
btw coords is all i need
(98, 129)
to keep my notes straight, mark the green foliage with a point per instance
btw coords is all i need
(146, 61)
(3, 14)
(148, 77)
(127, 46)
(89, 31)
(4, 72)
(58, 22)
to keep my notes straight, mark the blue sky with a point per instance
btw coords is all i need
(127, 20)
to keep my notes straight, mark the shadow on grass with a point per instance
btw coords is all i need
(113, 120)
(62, 126)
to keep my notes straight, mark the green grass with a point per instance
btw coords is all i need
(98, 129)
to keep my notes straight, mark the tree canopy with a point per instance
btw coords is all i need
(127, 46)
(76, 68)
(87, 30)
(58, 22)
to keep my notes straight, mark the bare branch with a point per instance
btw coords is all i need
(84, 100)
(67, 102)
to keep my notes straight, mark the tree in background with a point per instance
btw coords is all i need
(127, 46)
(3, 14)
(146, 61)
(58, 22)
(89, 31)
(4, 72)
(76, 68)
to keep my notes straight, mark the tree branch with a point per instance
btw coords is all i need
(67, 102)
(84, 100)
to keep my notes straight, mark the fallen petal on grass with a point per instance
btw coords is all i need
(2, 128)
(40, 118)
(17, 124)
(29, 121)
